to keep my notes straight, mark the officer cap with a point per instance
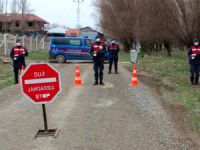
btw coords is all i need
(18, 40)
(98, 37)
(196, 40)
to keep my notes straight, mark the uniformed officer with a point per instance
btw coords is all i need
(113, 50)
(18, 54)
(194, 61)
(98, 51)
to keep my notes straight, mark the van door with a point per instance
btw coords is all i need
(58, 46)
(87, 45)
(75, 49)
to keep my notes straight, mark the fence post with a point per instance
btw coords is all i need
(15, 39)
(43, 43)
(5, 44)
(36, 42)
(23, 38)
(31, 42)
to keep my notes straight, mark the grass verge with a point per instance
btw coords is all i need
(124, 56)
(6, 75)
(173, 72)
(6, 70)
(40, 55)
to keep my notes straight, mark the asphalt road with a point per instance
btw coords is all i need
(111, 117)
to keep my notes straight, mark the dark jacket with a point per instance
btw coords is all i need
(196, 60)
(100, 53)
(113, 50)
(18, 61)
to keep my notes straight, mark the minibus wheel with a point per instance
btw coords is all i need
(60, 58)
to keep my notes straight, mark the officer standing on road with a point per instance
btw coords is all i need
(194, 61)
(113, 50)
(98, 51)
(18, 54)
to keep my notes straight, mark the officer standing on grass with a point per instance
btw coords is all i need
(113, 50)
(194, 61)
(98, 51)
(18, 54)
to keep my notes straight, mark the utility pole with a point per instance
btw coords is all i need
(78, 12)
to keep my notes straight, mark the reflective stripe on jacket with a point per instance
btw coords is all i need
(96, 47)
(18, 51)
(113, 47)
(113, 50)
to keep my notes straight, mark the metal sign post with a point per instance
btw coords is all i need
(45, 117)
(46, 131)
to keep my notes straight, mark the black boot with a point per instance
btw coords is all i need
(116, 68)
(101, 83)
(116, 72)
(16, 78)
(95, 83)
(197, 80)
(192, 79)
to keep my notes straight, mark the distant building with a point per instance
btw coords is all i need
(15, 23)
(57, 32)
(89, 32)
(73, 32)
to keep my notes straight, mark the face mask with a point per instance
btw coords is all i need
(18, 44)
(98, 40)
(196, 43)
(113, 42)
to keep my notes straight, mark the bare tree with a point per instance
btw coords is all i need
(13, 6)
(118, 25)
(184, 20)
(3, 10)
(1, 6)
(24, 6)
(151, 22)
(1, 13)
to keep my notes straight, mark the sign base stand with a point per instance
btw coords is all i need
(45, 133)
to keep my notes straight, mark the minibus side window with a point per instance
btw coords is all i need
(75, 42)
(61, 42)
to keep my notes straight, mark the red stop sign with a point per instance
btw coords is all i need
(41, 83)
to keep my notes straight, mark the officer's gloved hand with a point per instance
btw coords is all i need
(193, 56)
(23, 54)
(15, 58)
(94, 54)
(101, 47)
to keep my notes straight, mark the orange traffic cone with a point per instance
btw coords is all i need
(22, 70)
(77, 81)
(134, 81)
(18, 84)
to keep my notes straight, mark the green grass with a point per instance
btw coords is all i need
(6, 75)
(9, 79)
(6, 70)
(39, 55)
(173, 72)
(124, 56)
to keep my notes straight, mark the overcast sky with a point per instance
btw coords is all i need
(64, 12)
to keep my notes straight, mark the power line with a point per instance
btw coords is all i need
(78, 11)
